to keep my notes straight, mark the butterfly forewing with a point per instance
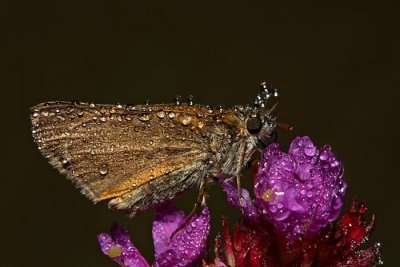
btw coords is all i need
(119, 152)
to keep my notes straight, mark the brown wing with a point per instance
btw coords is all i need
(110, 151)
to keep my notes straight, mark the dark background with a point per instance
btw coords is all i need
(336, 64)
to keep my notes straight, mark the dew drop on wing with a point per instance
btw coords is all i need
(144, 117)
(103, 169)
(185, 119)
(160, 114)
(171, 115)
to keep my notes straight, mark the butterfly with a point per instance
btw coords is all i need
(137, 156)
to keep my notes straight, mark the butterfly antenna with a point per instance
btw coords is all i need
(285, 126)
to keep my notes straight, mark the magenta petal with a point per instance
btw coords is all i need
(167, 218)
(119, 239)
(187, 244)
(305, 153)
(230, 188)
(105, 242)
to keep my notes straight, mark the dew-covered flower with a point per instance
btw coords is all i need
(298, 195)
(301, 191)
(177, 242)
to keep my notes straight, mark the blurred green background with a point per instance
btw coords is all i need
(336, 64)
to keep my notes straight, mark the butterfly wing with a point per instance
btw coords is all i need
(119, 153)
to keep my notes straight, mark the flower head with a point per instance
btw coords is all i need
(178, 240)
(302, 191)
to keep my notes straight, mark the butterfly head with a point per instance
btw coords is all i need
(261, 121)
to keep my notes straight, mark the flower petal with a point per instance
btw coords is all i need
(188, 243)
(120, 249)
(305, 153)
(230, 188)
(167, 219)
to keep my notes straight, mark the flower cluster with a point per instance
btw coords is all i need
(289, 222)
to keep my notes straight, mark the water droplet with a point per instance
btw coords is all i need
(160, 114)
(275, 93)
(151, 142)
(103, 170)
(144, 117)
(35, 113)
(273, 208)
(190, 101)
(310, 150)
(185, 119)
(362, 208)
(103, 119)
(171, 115)
(334, 163)
(65, 163)
(177, 100)
(92, 105)
(128, 117)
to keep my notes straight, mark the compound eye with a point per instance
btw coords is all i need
(254, 125)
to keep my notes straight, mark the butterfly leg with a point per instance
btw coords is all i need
(240, 164)
(201, 202)
(200, 198)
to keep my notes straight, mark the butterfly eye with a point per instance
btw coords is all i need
(254, 125)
